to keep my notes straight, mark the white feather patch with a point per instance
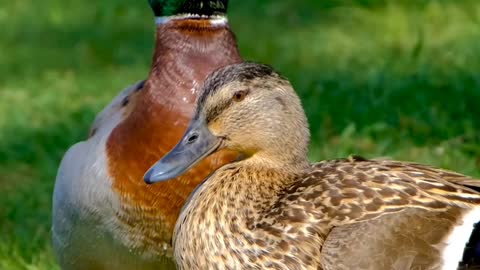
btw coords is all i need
(214, 20)
(458, 239)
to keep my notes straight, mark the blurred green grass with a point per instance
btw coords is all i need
(377, 78)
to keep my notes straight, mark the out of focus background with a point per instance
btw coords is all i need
(379, 78)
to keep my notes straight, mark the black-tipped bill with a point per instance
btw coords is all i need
(197, 143)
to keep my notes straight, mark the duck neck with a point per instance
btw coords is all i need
(243, 190)
(186, 51)
(256, 184)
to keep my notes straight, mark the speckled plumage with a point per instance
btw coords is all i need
(274, 210)
(339, 214)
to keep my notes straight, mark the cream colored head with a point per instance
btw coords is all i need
(248, 108)
(255, 111)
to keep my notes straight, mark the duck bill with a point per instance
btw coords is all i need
(197, 144)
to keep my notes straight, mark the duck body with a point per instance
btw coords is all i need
(86, 230)
(340, 214)
(104, 216)
(272, 209)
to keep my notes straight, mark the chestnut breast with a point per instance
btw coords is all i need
(155, 119)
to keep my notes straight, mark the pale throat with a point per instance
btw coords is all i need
(215, 20)
(254, 180)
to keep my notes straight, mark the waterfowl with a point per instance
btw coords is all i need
(104, 215)
(272, 209)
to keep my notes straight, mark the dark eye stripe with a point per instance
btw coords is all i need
(246, 71)
(217, 110)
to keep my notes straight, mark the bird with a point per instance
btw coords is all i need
(273, 209)
(104, 216)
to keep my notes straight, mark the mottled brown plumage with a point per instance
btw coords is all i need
(273, 210)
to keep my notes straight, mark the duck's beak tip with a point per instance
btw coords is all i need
(148, 177)
(153, 176)
(162, 171)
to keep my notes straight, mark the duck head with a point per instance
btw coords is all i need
(192, 7)
(247, 108)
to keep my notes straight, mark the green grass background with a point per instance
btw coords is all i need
(378, 78)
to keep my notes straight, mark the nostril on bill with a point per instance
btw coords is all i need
(192, 138)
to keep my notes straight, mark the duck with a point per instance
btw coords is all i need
(104, 216)
(272, 209)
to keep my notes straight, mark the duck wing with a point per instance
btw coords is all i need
(114, 107)
(391, 215)
(449, 176)
(82, 187)
(410, 239)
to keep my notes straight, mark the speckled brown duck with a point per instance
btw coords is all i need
(272, 209)
(104, 215)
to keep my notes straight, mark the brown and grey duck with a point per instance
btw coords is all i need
(272, 209)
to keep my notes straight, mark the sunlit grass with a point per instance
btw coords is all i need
(397, 79)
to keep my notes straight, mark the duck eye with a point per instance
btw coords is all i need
(239, 95)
